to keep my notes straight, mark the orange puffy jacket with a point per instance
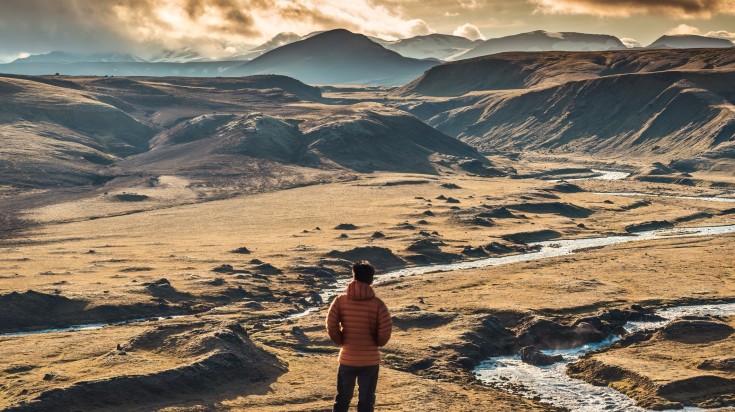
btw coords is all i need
(360, 323)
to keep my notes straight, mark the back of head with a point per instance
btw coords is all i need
(363, 271)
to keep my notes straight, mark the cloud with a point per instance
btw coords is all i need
(683, 29)
(471, 4)
(628, 42)
(469, 31)
(684, 9)
(212, 27)
(722, 34)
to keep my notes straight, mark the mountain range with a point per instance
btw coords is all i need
(335, 57)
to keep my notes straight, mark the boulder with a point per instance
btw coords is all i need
(533, 356)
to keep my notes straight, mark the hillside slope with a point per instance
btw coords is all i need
(525, 70)
(671, 115)
(56, 135)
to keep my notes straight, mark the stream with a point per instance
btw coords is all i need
(552, 385)
(703, 198)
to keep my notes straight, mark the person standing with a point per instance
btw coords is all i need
(360, 323)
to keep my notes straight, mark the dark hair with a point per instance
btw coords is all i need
(363, 271)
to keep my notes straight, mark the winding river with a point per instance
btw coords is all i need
(551, 383)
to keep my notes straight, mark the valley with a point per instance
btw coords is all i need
(184, 259)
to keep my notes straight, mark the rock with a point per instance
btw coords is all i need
(242, 250)
(378, 235)
(452, 200)
(450, 186)
(475, 252)
(160, 283)
(566, 187)
(650, 225)
(480, 221)
(224, 269)
(268, 269)
(441, 197)
(345, 226)
(533, 356)
(343, 236)
(466, 363)
(429, 213)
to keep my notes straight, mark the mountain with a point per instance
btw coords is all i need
(336, 57)
(279, 40)
(525, 70)
(64, 57)
(544, 41)
(689, 41)
(432, 46)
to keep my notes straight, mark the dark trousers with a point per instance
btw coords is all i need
(367, 379)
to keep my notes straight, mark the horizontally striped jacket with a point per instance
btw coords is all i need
(360, 323)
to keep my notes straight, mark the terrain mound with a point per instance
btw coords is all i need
(212, 356)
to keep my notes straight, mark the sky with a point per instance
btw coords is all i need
(221, 28)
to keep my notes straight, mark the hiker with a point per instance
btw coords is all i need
(360, 323)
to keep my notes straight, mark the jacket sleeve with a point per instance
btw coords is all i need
(385, 324)
(333, 328)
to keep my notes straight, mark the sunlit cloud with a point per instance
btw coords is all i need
(722, 34)
(469, 31)
(684, 9)
(214, 28)
(629, 42)
(683, 29)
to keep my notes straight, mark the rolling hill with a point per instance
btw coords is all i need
(55, 135)
(363, 138)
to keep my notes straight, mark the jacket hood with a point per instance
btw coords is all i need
(360, 291)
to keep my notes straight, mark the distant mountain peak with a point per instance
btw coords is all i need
(689, 41)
